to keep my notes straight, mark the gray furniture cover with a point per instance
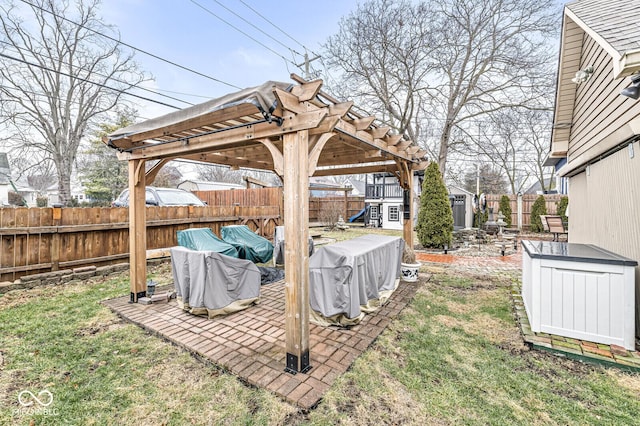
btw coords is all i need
(210, 283)
(278, 246)
(349, 278)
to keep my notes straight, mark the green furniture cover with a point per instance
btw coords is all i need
(203, 239)
(250, 246)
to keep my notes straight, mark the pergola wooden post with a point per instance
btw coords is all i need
(296, 236)
(407, 227)
(405, 177)
(138, 232)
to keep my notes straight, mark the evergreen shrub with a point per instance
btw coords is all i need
(435, 219)
(561, 209)
(505, 208)
(539, 208)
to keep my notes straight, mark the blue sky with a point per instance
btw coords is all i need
(181, 31)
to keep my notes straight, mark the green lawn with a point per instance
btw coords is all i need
(454, 356)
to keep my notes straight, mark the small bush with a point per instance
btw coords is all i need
(561, 209)
(479, 218)
(505, 208)
(539, 208)
(42, 201)
(330, 212)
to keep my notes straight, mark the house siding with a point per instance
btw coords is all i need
(604, 209)
(599, 109)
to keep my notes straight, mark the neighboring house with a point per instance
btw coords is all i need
(29, 195)
(323, 187)
(596, 129)
(536, 188)
(201, 185)
(385, 198)
(462, 207)
(358, 187)
(78, 193)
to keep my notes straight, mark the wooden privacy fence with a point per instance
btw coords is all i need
(273, 198)
(493, 200)
(347, 206)
(35, 240)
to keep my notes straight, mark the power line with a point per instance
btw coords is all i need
(48, 96)
(18, 49)
(275, 26)
(257, 28)
(88, 81)
(307, 61)
(133, 47)
(239, 30)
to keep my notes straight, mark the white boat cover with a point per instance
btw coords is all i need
(210, 283)
(352, 277)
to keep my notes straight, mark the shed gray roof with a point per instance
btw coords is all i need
(616, 21)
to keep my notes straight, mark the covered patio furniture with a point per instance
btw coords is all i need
(204, 239)
(350, 278)
(212, 284)
(278, 246)
(250, 246)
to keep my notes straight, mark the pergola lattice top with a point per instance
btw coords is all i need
(243, 128)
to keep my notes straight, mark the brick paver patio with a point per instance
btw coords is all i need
(251, 343)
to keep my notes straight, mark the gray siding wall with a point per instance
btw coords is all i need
(604, 208)
(599, 109)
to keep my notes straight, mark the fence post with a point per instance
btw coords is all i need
(55, 238)
(519, 206)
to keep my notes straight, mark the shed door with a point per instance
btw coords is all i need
(459, 211)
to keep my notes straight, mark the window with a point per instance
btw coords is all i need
(374, 212)
(394, 214)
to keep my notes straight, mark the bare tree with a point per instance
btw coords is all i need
(168, 177)
(443, 63)
(538, 127)
(58, 77)
(502, 141)
(216, 173)
(382, 50)
(492, 181)
(102, 174)
(491, 55)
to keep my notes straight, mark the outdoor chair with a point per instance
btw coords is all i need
(555, 225)
(209, 283)
(250, 246)
(203, 239)
(545, 225)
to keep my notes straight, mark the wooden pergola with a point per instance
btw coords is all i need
(294, 130)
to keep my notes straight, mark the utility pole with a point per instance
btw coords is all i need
(478, 179)
(307, 61)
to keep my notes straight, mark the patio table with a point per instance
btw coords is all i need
(345, 277)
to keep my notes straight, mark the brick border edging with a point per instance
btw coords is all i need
(628, 361)
(69, 276)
